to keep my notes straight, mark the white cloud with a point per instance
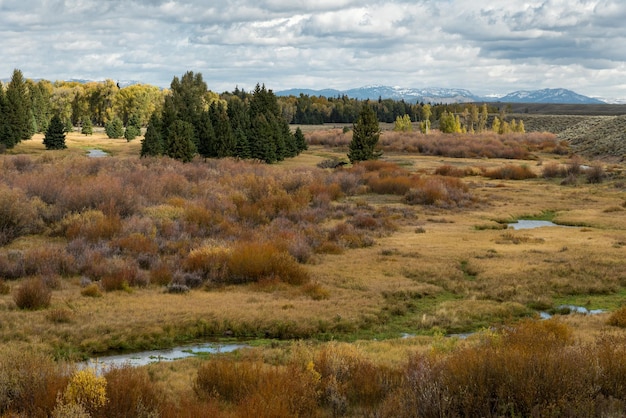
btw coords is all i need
(497, 47)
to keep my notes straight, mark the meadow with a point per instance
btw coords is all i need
(348, 284)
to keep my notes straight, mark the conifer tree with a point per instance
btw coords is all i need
(18, 109)
(225, 141)
(300, 140)
(180, 141)
(87, 128)
(6, 133)
(55, 134)
(365, 135)
(206, 136)
(152, 143)
(133, 128)
(114, 128)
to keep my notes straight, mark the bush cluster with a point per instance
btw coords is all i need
(531, 369)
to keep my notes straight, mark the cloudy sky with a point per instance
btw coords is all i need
(488, 47)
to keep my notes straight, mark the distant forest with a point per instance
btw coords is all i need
(231, 120)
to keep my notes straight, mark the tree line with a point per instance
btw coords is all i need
(194, 120)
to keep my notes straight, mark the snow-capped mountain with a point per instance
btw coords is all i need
(447, 95)
(548, 96)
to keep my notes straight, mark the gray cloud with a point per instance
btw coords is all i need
(493, 48)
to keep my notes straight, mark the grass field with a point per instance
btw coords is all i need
(322, 271)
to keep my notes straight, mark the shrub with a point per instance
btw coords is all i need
(130, 393)
(92, 291)
(29, 382)
(451, 171)
(5, 288)
(618, 318)
(60, 316)
(210, 261)
(511, 172)
(552, 170)
(18, 215)
(227, 379)
(253, 261)
(595, 174)
(87, 389)
(92, 225)
(439, 191)
(32, 294)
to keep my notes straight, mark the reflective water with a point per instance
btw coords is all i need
(528, 224)
(146, 357)
(96, 153)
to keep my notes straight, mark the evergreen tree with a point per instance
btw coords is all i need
(242, 146)
(300, 140)
(365, 135)
(238, 114)
(18, 110)
(152, 143)
(7, 139)
(225, 141)
(114, 128)
(55, 134)
(133, 128)
(40, 94)
(180, 141)
(206, 136)
(87, 128)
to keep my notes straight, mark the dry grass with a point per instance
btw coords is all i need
(345, 261)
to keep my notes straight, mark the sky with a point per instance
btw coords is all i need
(488, 47)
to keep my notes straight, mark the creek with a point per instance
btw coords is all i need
(144, 358)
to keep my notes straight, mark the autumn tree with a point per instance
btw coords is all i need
(425, 122)
(55, 134)
(403, 124)
(365, 135)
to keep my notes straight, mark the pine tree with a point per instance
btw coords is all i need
(365, 135)
(300, 140)
(6, 133)
(180, 141)
(152, 143)
(133, 128)
(87, 128)
(206, 136)
(114, 128)
(55, 134)
(18, 108)
(225, 141)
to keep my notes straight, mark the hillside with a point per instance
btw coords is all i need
(592, 136)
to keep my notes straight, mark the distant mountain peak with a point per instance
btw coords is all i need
(448, 95)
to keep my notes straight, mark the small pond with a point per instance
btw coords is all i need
(529, 224)
(144, 358)
(96, 153)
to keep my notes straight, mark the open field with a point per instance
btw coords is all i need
(323, 271)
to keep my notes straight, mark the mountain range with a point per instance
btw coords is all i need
(447, 95)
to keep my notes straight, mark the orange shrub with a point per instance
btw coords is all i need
(511, 172)
(252, 261)
(397, 185)
(136, 243)
(439, 191)
(129, 392)
(32, 294)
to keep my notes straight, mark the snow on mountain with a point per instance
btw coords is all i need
(548, 96)
(448, 95)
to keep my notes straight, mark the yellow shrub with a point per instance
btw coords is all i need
(86, 389)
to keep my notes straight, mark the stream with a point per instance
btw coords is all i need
(144, 358)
